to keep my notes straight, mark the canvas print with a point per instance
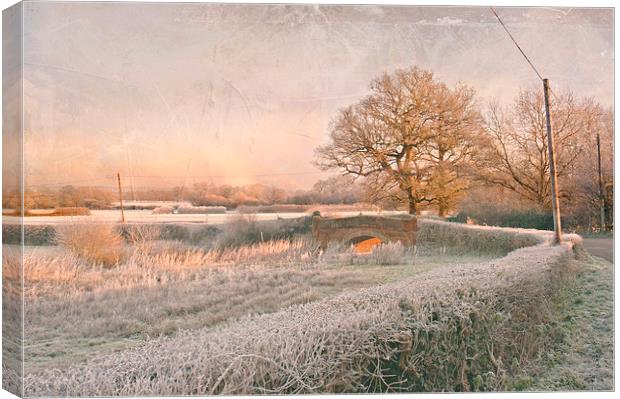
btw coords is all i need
(250, 199)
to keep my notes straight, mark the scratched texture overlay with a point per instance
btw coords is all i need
(210, 198)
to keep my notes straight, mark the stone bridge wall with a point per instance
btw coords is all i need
(387, 228)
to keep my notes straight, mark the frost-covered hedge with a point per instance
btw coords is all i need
(455, 237)
(451, 329)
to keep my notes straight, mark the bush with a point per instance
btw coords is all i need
(33, 234)
(433, 235)
(174, 232)
(71, 211)
(163, 210)
(204, 235)
(495, 217)
(141, 236)
(99, 244)
(246, 230)
(242, 230)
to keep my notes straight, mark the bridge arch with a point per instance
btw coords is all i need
(348, 229)
(356, 236)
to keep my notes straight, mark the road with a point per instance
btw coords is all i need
(602, 247)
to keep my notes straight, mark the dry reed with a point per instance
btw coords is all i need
(97, 243)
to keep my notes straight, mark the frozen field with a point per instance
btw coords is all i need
(147, 216)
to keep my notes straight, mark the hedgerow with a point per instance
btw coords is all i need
(457, 328)
(455, 237)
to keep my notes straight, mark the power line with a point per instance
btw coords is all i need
(557, 219)
(522, 52)
(516, 44)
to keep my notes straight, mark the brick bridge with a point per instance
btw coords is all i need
(359, 228)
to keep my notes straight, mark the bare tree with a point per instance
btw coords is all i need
(591, 193)
(452, 147)
(517, 158)
(406, 139)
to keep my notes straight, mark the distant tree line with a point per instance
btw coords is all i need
(66, 196)
(334, 190)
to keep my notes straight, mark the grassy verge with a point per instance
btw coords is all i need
(583, 355)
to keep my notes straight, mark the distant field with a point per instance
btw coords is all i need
(147, 216)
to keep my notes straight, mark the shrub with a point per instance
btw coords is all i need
(71, 211)
(163, 210)
(39, 235)
(33, 234)
(174, 232)
(241, 230)
(142, 237)
(495, 217)
(210, 199)
(204, 235)
(97, 243)
(246, 230)
(435, 235)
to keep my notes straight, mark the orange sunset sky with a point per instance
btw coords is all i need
(239, 94)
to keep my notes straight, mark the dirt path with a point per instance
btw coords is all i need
(602, 247)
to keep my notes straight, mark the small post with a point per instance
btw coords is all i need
(601, 193)
(120, 196)
(555, 200)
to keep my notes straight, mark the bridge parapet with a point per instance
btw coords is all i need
(346, 229)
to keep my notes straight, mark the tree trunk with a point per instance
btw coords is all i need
(413, 208)
(442, 210)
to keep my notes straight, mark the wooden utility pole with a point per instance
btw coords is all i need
(555, 200)
(120, 196)
(601, 193)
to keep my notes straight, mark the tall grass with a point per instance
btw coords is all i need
(97, 243)
(74, 308)
(12, 319)
(150, 263)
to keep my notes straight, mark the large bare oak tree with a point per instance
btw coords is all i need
(410, 139)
